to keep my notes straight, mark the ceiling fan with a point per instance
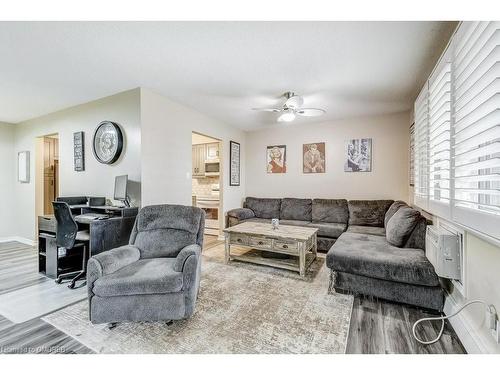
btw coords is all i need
(292, 107)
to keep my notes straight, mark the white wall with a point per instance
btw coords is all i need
(166, 151)
(97, 179)
(482, 267)
(8, 179)
(388, 179)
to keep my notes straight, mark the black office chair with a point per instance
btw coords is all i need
(68, 237)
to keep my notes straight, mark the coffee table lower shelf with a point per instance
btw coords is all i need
(291, 264)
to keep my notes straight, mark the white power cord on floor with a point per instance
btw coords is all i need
(491, 310)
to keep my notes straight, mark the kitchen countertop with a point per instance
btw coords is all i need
(208, 197)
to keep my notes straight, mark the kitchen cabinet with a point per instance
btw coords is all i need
(212, 151)
(198, 155)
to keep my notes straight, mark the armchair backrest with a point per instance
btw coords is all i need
(163, 230)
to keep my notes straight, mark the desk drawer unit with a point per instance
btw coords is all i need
(47, 224)
(260, 243)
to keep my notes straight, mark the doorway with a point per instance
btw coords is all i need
(207, 186)
(47, 173)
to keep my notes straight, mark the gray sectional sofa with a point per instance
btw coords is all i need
(375, 247)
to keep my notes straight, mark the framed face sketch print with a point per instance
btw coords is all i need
(276, 159)
(313, 158)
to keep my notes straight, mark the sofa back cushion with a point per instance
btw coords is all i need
(264, 208)
(296, 209)
(392, 210)
(368, 212)
(330, 211)
(163, 230)
(401, 225)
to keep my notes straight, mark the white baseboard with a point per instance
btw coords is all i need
(23, 240)
(468, 335)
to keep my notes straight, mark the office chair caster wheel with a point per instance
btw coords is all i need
(58, 280)
(111, 326)
(169, 322)
(71, 285)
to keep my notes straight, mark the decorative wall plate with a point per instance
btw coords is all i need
(107, 143)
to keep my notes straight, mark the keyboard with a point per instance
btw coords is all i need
(91, 217)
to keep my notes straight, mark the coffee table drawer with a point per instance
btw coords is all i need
(261, 243)
(285, 245)
(238, 239)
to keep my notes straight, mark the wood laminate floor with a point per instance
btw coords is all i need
(376, 326)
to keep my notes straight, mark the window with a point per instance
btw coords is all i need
(421, 149)
(457, 131)
(440, 137)
(477, 126)
(412, 154)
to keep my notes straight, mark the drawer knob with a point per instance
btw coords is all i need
(285, 246)
(261, 243)
(239, 240)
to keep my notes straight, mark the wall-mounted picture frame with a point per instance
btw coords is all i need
(23, 167)
(79, 151)
(313, 158)
(358, 155)
(276, 159)
(234, 163)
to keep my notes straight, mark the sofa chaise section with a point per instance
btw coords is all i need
(371, 264)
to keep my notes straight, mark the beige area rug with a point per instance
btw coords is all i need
(241, 308)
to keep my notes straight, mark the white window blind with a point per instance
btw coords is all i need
(476, 149)
(421, 190)
(440, 137)
(412, 154)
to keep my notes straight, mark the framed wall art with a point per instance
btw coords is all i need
(234, 163)
(358, 155)
(313, 157)
(276, 159)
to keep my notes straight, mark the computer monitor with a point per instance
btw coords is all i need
(121, 189)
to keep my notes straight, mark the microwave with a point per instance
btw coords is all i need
(212, 167)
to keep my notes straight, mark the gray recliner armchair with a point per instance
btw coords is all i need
(156, 277)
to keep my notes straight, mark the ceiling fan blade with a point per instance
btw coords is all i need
(276, 110)
(310, 112)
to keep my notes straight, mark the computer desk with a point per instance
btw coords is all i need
(105, 234)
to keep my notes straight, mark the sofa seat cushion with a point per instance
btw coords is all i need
(297, 223)
(330, 211)
(264, 208)
(368, 212)
(146, 276)
(373, 256)
(377, 231)
(331, 230)
(296, 209)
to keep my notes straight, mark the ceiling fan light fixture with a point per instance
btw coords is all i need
(294, 101)
(286, 116)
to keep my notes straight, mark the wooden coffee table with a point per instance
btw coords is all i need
(299, 242)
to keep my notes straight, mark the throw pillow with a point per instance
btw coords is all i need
(392, 210)
(400, 226)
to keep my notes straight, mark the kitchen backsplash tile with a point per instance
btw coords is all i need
(203, 186)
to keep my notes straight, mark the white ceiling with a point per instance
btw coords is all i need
(222, 69)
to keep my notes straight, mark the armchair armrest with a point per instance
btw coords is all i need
(184, 254)
(112, 260)
(241, 213)
(108, 262)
